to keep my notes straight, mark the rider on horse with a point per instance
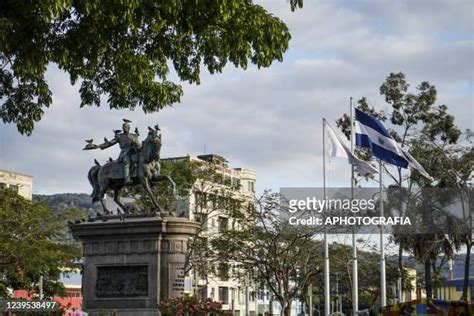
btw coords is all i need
(116, 175)
(129, 145)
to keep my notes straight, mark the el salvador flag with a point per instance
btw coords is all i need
(372, 134)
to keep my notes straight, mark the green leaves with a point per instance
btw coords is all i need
(24, 101)
(123, 49)
(416, 120)
(29, 246)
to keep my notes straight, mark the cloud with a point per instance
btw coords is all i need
(270, 119)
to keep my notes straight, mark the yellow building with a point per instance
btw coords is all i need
(19, 182)
(451, 290)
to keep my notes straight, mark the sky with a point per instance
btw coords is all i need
(270, 119)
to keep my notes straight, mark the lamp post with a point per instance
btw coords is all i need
(232, 302)
(41, 287)
(247, 294)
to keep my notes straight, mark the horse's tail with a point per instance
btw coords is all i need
(94, 181)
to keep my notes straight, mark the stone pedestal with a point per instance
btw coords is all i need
(130, 264)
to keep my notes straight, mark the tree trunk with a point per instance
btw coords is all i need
(286, 308)
(429, 292)
(467, 263)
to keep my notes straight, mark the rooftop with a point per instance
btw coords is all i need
(15, 172)
(460, 281)
(212, 158)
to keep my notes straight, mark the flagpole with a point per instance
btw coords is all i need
(355, 276)
(383, 287)
(327, 297)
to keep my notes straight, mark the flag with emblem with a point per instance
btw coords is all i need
(371, 133)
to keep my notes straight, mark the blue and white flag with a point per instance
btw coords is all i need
(371, 133)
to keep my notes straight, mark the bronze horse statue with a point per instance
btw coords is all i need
(147, 172)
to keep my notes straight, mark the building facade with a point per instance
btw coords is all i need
(19, 182)
(202, 205)
(451, 290)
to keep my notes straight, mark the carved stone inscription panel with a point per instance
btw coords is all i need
(176, 279)
(121, 281)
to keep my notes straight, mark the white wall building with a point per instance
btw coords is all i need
(238, 182)
(19, 182)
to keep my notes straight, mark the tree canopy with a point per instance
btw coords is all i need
(125, 49)
(283, 257)
(30, 246)
(431, 136)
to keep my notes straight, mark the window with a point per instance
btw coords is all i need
(74, 294)
(223, 224)
(201, 199)
(224, 294)
(3, 185)
(235, 183)
(203, 293)
(223, 271)
(201, 218)
(214, 203)
(204, 242)
(251, 186)
(14, 187)
(252, 295)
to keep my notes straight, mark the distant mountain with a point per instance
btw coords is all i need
(63, 201)
(458, 266)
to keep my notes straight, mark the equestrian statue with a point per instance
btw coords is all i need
(137, 164)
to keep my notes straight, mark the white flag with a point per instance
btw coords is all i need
(412, 163)
(340, 148)
(336, 148)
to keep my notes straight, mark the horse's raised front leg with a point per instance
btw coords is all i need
(147, 188)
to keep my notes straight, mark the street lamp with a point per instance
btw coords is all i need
(232, 290)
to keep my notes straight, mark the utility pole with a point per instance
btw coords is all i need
(247, 294)
(383, 286)
(355, 273)
(337, 292)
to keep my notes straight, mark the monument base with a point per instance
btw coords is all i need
(124, 312)
(130, 264)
